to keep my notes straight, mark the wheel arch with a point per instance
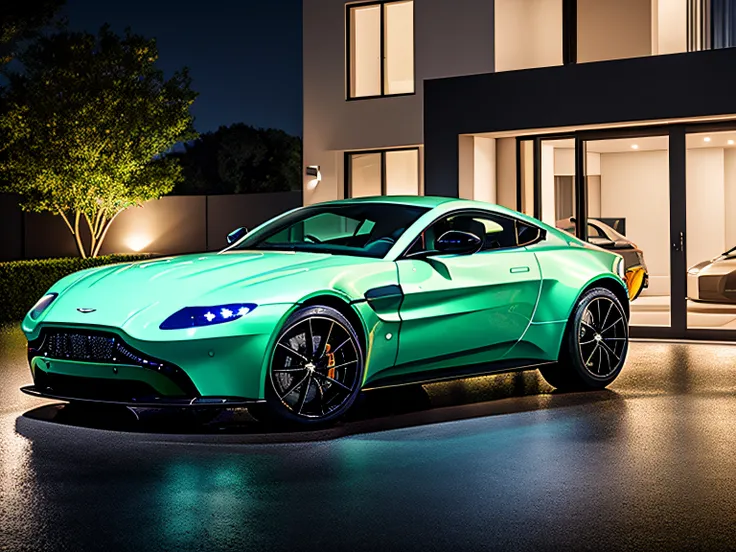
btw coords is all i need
(343, 307)
(612, 285)
(605, 282)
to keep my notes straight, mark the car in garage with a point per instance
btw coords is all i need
(602, 235)
(299, 316)
(713, 281)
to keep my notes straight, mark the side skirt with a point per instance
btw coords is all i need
(473, 370)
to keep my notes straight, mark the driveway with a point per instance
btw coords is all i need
(482, 464)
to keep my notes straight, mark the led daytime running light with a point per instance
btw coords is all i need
(196, 317)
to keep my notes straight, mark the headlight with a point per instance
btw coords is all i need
(694, 271)
(193, 317)
(42, 305)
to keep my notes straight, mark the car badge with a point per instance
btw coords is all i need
(86, 311)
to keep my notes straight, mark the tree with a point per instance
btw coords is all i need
(20, 20)
(241, 159)
(88, 120)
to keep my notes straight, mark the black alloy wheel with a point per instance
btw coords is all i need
(595, 344)
(316, 368)
(602, 336)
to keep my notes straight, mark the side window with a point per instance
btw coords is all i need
(325, 227)
(527, 234)
(497, 232)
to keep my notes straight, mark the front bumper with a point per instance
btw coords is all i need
(146, 402)
(106, 364)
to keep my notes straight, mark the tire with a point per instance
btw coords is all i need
(310, 386)
(594, 346)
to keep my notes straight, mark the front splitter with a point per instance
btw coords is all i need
(154, 402)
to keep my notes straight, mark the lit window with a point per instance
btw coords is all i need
(380, 49)
(390, 172)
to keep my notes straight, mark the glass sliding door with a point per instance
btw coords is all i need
(628, 206)
(711, 230)
(664, 198)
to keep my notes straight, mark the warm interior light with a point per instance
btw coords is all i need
(706, 139)
(634, 146)
(138, 242)
(730, 142)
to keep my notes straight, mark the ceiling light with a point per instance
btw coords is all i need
(730, 142)
(706, 139)
(634, 146)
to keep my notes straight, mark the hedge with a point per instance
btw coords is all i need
(22, 283)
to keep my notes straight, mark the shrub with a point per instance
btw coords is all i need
(22, 283)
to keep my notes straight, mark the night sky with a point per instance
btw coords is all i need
(245, 56)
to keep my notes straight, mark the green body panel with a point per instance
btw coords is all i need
(465, 306)
(449, 311)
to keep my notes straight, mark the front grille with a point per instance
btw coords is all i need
(103, 348)
(90, 347)
(74, 346)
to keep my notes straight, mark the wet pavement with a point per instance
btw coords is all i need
(483, 464)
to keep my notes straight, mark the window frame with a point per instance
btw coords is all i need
(349, 50)
(349, 174)
(479, 213)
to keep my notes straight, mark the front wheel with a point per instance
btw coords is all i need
(316, 368)
(595, 344)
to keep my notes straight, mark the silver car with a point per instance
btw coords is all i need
(713, 281)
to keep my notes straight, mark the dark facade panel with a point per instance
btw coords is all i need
(696, 84)
(47, 236)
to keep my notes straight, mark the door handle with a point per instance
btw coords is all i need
(680, 245)
(519, 269)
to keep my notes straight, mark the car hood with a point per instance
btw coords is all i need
(715, 267)
(119, 293)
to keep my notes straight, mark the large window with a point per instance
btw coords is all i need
(543, 33)
(380, 49)
(390, 172)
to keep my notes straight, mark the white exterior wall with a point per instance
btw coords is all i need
(451, 39)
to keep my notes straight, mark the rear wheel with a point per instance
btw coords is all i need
(316, 368)
(595, 344)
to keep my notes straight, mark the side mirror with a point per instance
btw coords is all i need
(455, 242)
(236, 235)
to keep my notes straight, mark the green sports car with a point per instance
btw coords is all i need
(300, 315)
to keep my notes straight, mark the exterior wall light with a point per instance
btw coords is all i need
(315, 176)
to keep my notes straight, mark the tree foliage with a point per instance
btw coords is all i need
(20, 20)
(240, 159)
(87, 121)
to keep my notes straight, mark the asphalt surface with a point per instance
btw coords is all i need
(495, 463)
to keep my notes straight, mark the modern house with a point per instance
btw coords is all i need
(612, 110)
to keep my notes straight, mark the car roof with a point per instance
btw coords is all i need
(419, 201)
(438, 205)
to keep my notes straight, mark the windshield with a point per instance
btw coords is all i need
(360, 229)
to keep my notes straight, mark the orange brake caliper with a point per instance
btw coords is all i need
(330, 362)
